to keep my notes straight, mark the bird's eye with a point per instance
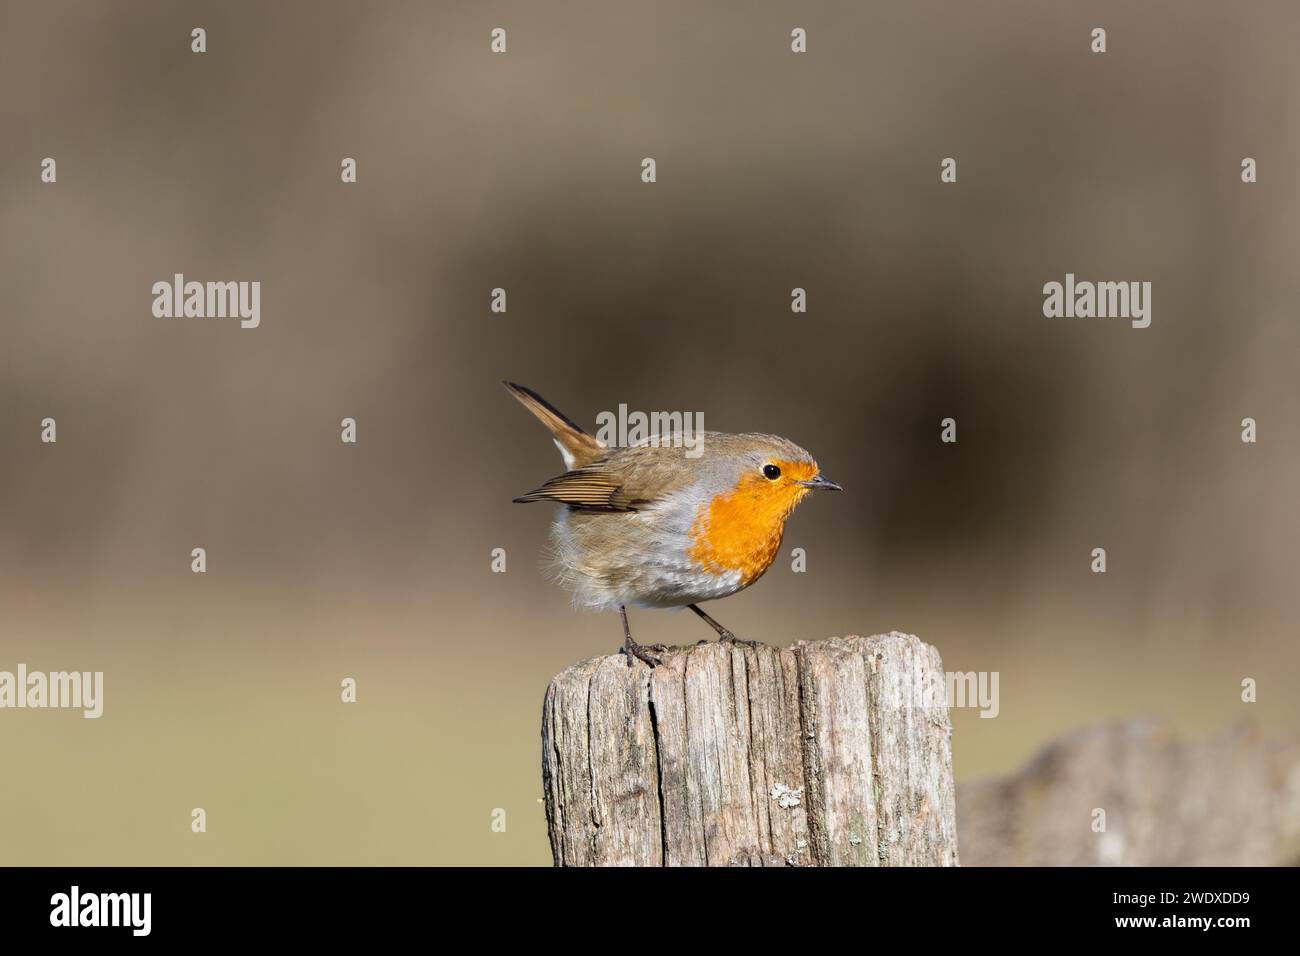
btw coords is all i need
(771, 472)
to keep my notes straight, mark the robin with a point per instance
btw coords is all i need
(650, 525)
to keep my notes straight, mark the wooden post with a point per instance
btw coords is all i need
(1134, 794)
(829, 753)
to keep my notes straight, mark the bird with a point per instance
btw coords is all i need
(664, 523)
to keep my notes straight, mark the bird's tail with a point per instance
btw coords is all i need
(576, 446)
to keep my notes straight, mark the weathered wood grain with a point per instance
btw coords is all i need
(1230, 800)
(832, 753)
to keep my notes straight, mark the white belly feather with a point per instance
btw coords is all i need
(635, 558)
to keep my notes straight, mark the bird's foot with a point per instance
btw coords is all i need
(726, 637)
(642, 652)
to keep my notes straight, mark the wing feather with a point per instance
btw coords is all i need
(587, 490)
(627, 479)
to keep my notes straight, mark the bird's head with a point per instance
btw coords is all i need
(764, 479)
(772, 475)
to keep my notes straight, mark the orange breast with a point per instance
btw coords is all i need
(741, 531)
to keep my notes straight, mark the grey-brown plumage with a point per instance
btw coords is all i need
(660, 524)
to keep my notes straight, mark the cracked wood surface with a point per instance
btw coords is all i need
(830, 753)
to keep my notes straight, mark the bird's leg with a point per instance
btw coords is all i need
(632, 649)
(723, 633)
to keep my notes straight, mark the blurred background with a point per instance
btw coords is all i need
(522, 171)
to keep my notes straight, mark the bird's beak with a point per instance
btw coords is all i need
(822, 482)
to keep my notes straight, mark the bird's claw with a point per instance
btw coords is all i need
(642, 653)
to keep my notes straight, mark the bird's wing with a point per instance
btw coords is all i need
(628, 479)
